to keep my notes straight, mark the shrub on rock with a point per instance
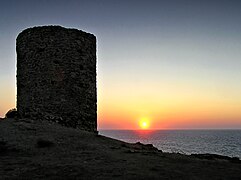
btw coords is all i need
(12, 113)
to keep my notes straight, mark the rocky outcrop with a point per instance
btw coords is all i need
(216, 157)
(56, 76)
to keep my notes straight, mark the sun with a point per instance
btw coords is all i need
(144, 123)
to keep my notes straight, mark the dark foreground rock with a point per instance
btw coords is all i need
(36, 150)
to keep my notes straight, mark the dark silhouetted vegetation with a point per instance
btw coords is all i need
(12, 113)
(41, 143)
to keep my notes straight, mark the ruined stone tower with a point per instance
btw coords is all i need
(56, 76)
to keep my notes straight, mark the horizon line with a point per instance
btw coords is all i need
(181, 129)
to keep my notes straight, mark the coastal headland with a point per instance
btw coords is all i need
(44, 150)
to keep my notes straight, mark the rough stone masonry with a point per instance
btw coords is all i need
(56, 76)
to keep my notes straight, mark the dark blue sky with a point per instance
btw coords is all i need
(189, 44)
(100, 15)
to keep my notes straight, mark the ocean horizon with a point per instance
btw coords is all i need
(225, 142)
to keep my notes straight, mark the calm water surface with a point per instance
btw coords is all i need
(223, 142)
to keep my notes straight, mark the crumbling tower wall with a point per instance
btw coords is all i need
(56, 76)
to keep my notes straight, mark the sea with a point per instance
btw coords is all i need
(222, 142)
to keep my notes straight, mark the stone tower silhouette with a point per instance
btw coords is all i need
(56, 76)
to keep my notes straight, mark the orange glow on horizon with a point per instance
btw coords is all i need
(171, 109)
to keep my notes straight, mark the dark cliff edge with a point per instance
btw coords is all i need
(39, 150)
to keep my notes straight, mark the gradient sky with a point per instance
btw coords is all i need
(174, 62)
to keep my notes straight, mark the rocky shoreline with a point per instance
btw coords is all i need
(43, 150)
